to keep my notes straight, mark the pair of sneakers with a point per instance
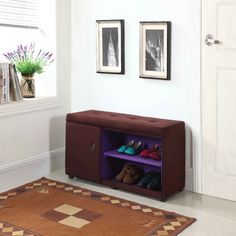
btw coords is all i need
(151, 180)
(131, 148)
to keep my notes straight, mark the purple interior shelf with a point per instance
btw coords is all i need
(136, 158)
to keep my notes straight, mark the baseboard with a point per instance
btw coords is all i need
(23, 171)
(189, 179)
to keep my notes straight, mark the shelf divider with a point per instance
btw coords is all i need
(135, 158)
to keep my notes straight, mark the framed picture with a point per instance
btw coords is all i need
(154, 54)
(110, 46)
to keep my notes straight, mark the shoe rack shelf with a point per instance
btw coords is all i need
(132, 188)
(135, 158)
(92, 140)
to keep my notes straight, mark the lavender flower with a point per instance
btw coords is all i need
(25, 60)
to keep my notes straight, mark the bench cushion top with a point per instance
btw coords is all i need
(124, 122)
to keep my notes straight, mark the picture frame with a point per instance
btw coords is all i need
(155, 50)
(110, 46)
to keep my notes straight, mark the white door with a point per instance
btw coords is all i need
(219, 98)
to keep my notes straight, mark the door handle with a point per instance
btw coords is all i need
(93, 147)
(209, 40)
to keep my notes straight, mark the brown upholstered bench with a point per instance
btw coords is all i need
(92, 139)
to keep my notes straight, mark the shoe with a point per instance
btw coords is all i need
(146, 179)
(135, 149)
(155, 153)
(122, 174)
(155, 183)
(155, 156)
(124, 147)
(133, 175)
(146, 152)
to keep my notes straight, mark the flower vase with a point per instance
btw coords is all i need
(27, 86)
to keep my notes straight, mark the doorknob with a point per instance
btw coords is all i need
(209, 40)
(93, 147)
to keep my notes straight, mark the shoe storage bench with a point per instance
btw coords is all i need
(93, 137)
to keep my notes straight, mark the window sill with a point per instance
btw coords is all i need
(29, 105)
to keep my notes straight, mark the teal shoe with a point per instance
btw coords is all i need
(123, 148)
(135, 149)
(129, 151)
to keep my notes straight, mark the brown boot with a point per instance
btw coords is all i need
(128, 178)
(123, 172)
(133, 175)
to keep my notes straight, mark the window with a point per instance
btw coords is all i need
(31, 21)
(18, 13)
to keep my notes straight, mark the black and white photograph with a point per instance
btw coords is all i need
(155, 50)
(110, 46)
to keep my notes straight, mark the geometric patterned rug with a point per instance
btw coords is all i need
(51, 208)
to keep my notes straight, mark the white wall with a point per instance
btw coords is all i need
(178, 98)
(32, 136)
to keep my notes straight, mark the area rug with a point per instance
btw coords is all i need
(51, 208)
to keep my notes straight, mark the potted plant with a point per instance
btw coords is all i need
(27, 62)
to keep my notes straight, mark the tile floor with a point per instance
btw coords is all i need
(215, 217)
